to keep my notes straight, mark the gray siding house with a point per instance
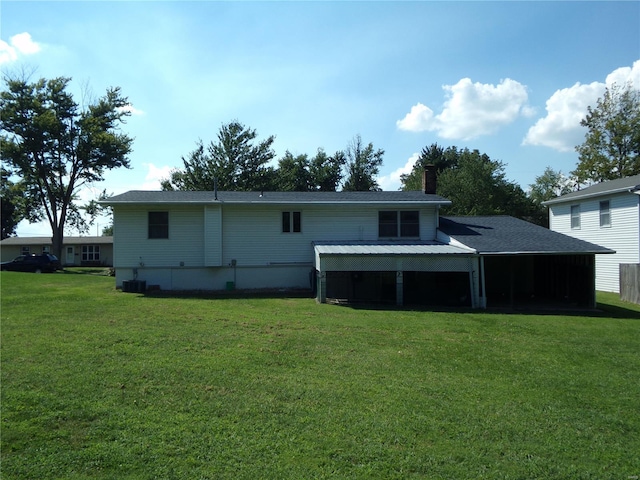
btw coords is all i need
(607, 214)
(389, 247)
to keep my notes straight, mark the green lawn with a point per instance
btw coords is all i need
(102, 384)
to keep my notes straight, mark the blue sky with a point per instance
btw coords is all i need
(511, 79)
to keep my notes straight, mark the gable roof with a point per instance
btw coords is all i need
(508, 235)
(273, 198)
(27, 241)
(620, 185)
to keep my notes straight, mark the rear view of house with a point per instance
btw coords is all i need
(389, 247)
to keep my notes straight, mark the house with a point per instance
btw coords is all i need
(77, 251)
(608, 214)
(390, 247)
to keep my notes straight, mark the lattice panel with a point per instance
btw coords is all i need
(380, 263)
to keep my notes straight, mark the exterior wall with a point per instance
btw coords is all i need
(215, 242)
(10, 252)
(623, 235)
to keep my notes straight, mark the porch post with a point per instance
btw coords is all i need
(399, 288)
(321, 278)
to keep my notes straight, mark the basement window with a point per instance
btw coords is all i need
(158, 224)
(605, 214)
(291, 222)
(393, 224)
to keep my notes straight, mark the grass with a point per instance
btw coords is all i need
(100, 384)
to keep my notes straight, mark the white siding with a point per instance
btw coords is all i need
(184, 247)
(213, 236)
(204, 240)
(623, 235)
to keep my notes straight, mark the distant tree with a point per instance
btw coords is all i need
(56, 148)
(362, 165)
(236, 161)
(432, 155)
(612, 143)
(326, 171)
(293, 173)
(549, 185)
(475, 184)
(11, 196)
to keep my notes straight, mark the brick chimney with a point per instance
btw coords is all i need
(429, 179)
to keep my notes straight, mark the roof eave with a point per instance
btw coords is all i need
(563, 199)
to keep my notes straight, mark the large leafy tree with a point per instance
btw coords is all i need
(326, 171)
(475, 184)
(548, 185)
(611, 148)
(321, 173)
(11, 203)
(362, 166)
(293, 173)
(237, 162)
(433, 154)
(56, 147)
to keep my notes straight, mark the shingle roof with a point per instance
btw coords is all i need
(504, 234)
(627, 184)
(145, 197)
(25, 241)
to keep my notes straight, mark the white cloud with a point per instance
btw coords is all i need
(561, 129)
(624, 75)
(20, 44)
(131, 109)
(154, 176)
(471, 110)
(392, 181)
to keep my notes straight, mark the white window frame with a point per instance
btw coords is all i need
(605, 214)
(575, 217)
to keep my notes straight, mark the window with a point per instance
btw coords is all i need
(91, 253)
(399, 224)
(605, 214)
(46, 249)
(24, 251)
(291, 222)
(575, 216)
(158, 224)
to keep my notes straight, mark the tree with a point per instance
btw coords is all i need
(612, 143)
(432, 155)
(293, 174)
(362, 165)
(235, 161)
(549, 185)
(326, 171)
(57, 148)
(475, 184)
(11, 195)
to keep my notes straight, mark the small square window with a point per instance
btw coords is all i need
(605, 214)
(291, 222)
(158, 224)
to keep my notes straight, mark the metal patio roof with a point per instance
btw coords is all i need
(389, 248)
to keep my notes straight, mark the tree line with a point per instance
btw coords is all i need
(237, 161)
(50, 147)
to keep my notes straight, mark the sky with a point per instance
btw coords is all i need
(511, 79)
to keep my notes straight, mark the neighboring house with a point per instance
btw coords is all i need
(388, 247)
(607, 214)
(76, 251)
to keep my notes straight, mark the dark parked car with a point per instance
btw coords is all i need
(32, 263)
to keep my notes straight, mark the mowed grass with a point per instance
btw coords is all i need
(102, 384)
